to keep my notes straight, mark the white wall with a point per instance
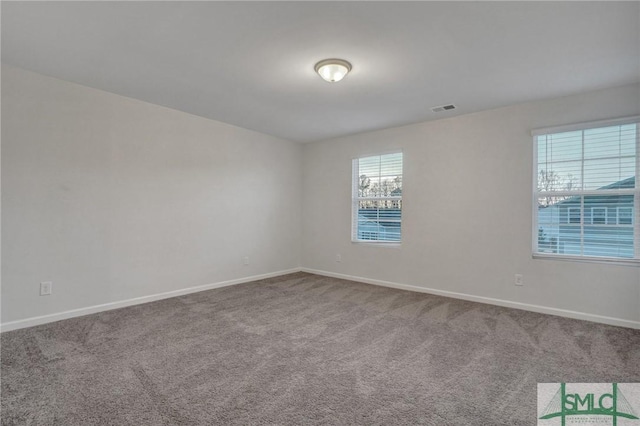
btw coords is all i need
(112, 198)
(467, 209)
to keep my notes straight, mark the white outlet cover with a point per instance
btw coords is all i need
(46, 288)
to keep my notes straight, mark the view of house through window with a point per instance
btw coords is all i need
(377, 198)
(586, 199)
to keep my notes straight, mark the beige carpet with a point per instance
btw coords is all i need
(303, 349)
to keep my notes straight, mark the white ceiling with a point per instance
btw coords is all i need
(251, 63)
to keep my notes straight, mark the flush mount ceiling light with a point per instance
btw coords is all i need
(333, 70)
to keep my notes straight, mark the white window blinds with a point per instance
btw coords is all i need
(377, 198)
(586, 193)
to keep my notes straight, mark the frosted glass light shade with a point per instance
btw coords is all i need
(333, 70)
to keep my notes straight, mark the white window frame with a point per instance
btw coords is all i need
(569, 216)
(355, 199)
(618, 215)
(634, 191)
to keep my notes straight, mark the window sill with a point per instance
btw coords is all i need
(585, 259)
(377, 244)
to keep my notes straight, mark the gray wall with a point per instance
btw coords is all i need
(112, 198)
(467, 204)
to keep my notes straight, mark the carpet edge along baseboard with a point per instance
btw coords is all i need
(44, 319)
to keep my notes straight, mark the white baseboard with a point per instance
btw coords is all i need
(44, 319)
(489, 300)
(30, 322)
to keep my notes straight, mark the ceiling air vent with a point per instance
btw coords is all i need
(443, 108)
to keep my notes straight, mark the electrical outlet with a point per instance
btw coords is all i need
(338, 258)
(519, 280)
(46, 288)
(245, 260)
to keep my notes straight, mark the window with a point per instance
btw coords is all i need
(598, 215)
(377, 198)
(586, 195)
(625, 215)
(574, 215)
